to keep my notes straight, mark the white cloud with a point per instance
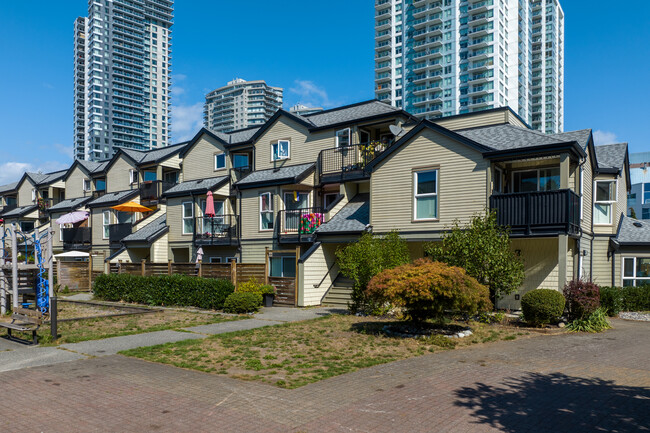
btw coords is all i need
(13, 171)
(604, 137)
(186, 121)
(310, 94)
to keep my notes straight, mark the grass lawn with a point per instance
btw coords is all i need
(295, 354)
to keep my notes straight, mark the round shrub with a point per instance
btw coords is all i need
(582, 298)
(242, 302)
(611, 300)
(542, 306)
(426, 289)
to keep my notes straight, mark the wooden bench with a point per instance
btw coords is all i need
(24, 320)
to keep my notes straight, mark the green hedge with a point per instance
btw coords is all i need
(178, 290)
(242, 302)
(616, 299)
(542, 306)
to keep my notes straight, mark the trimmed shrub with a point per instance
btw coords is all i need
(582, 298)
(167, 290)
(252, 286)
(242, 302)
(427, 289)
(611, 300)
(542, 306)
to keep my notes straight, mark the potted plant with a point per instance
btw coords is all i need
(268, 293)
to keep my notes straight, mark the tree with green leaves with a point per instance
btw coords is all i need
(362, 260)
(484, 250)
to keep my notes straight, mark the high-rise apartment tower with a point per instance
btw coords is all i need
(241, 104)
(122, 70)
(438, 58)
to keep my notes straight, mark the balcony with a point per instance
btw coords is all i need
(117, 232)
(151, 191)
(541, 213)
(217, 230)
(347, 163)
(77, 238)
(297, 226)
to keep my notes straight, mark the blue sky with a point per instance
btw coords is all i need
(319, 52)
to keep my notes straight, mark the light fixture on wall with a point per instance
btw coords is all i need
(584, 253)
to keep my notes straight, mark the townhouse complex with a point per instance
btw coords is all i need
(439, 58)
(305, 185)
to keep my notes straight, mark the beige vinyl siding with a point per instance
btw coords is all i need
(124, 256)
(621, 199)
(96, 222)
(159, 249)
(74, 183)
(25, 193)
(255, 251)
(462, 183)
(602, 263)
(172, 162)
(99, 255)
(316, 273)
(585, 245)
(477, 119)
(117, 178)
(58, 184)
(56, 243)
(587, 195)
(198, 163)
(175, 219)
(250, 215)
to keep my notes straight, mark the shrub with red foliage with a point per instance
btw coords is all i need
(426, 289)
(582, 298)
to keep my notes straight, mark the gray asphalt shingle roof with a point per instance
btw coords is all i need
(611, 155)
(93, 167)
(353, 217)
(349, 113)
(288, 174)
(8, 187)
(199, 185)
(632, 231)
(144, 157)
(70, 204)
(111, 198)
(242, 135)
(580, 135)
(507, 137)
(45, 178)
(19, 211)
(149, 232)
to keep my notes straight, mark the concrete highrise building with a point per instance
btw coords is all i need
(438, 58)
(122, 70)
(241, 104)
(303, 110)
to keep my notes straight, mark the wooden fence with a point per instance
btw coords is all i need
(285, 290)
(77, 276)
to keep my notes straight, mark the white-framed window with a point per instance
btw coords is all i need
(106, 222)
(219, 161)
(230, 259)
(543, 179)
(425, 195)
(604, 199)
(266, 211)
(86, 185)
(636, 271)
(188, 217)
(282, 266)
(343, 137)
(133, 176)
(215, 259)
(33, 194)
(281, 150)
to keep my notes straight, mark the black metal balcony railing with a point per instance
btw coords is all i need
(538, 213)
(152, 190)
(76, 238)
(299, 225)
(117, 232)
(217, 230)
(347, 162)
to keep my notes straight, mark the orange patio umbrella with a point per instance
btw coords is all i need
(131, 206)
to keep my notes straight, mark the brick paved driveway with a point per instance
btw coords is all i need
(567, 383)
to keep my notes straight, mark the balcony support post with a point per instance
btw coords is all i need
(564, 171)
(562, 249)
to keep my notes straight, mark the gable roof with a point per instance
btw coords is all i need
(611, 156)
(581, 136)
(351, 113)
(150, 232)
(140, 157)
(46, 178)
(8, 187)
(240, 136)
(632, 232)
(276, 176)
(69, 204)
(89, 167)
(19, 211)
(199, 186)
(113, 198)
(354, 217)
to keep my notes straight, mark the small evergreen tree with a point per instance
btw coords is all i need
(362, 260)
(632, 213)
(483, 249)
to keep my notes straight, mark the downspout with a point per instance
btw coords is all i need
(239, 227)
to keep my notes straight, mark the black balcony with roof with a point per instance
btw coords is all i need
(76, 238)
(297, 226)
(217, 230)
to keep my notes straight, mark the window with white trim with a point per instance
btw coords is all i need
(343, 137)
(106, 222)
(636, 271)
(219, 161)
(604, 199)
(188, 217)
(33, 194)
(133, 177)
(425, 195)
(215, 259)
(280, 150)
(266, 211)
(86, 185)
(282, 266)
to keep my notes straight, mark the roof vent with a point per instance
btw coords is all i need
(637, 224)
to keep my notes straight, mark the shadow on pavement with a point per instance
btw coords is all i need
(558, 403)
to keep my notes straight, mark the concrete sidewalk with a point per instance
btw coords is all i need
(14, 356)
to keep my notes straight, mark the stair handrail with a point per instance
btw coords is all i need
(316, 286)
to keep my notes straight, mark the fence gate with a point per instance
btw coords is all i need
(282, 273)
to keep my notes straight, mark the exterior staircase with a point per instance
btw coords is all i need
(339, 294)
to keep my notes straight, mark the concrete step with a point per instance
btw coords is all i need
(338, 296)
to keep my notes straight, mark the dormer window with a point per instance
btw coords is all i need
(280, 150)
(86, 185)
(133, 177)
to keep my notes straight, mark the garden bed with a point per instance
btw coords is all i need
(295, 354)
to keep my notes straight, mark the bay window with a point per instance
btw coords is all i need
(636, 271)
(425, 195)
(604, 199)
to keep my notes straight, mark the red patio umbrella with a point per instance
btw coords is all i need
(209, 205)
